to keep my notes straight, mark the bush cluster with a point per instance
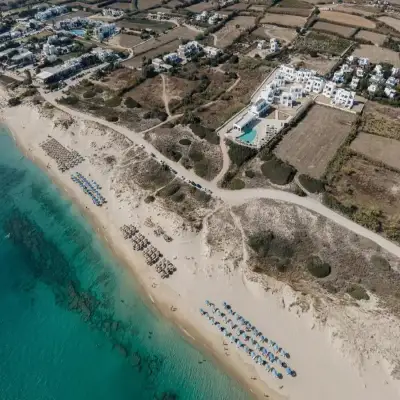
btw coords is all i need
(318, 268)
(277, 171)
(312, 185)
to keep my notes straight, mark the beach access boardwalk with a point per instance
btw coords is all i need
(235, 197)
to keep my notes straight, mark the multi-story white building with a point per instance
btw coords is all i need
(296, 91)
(287, 72)
(372, 88)
(286, 99)
(189, 49)
(363, 62)
(392, 81)
(273, 45)
(330, 89)
(344, 98)
(172, 58)
(391, 93)
(259, 107)
(303, 75)
(359, 72)
(111, 12)
(104, 31)
(354, 82)
(315, 85)
(338, 77)
(50, 12)
(268, 94)
(211, 52)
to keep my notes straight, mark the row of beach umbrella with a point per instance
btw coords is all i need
(243, 334)
(91, 188)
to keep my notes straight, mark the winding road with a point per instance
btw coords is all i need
(232, 197)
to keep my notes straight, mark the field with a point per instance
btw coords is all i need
(373, 37)
(81, 14)
(310, 145)
(361, 10)
(347, 19)
(322, 64)
(322, 43)
(302, 12)
(138, 24)
(126, 41)
(378, 148)
(392, 22)
(230, 32)
(381, 120)
(142, 5)
(285, 35)
(336, 29)
(378, 54)
(373, 189)
(237, 7)
(285, 20)
(199, 7)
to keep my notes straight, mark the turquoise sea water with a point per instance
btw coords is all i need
(72, 325)
(249, 136)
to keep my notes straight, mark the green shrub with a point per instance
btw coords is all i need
(212, 137)
(237, 184)
(240, 154)
(89, 94)
(318, 268)
(260, 242)
(185, 142)
(199, 130)
(277, 171)
(201, 168)
(312, 185)
(178, 197)
(358, 292)
(380, 263)
(112, 118)
(156, 114)
(195, 155)
(113, 102)
(149, 199)
(99, 89)
(250, 173)
(14, 101)
(169, 190)
(186, 163)
(69, 100)
(131, 103)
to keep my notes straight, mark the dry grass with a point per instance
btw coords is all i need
(232, 30)
(301, 12)
(322, 64)
(126, 41)
(381, 120)
(373, 37)
(267, 31)
(378, 148)
(336, 29)
(199, 7)
(361, 10)
(347, 19)
(148, 93)
(378, 54)
(310, 145)
(220, 111)
(392, 22)
(138, 24)
(285, 20)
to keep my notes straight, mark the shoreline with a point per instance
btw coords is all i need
(152, 298)
(328, 360)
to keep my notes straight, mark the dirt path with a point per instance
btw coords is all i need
(165, 95)
(235, 197)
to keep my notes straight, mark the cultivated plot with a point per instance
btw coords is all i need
(378, 148)
(267, 31)
(232, 30)
(347, 19)
(392, 22)
(314, 141)
(373, 37)
(285, 20)
(378, 54)
(333, 28)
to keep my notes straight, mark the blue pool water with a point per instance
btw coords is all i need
(72, 323)
(78, 32)
(248, 137)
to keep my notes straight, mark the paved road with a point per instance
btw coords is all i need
(236, 197)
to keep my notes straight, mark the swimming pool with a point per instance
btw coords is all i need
(248, 137)
(78, 32)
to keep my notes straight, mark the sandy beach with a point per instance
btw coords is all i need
(332, 359)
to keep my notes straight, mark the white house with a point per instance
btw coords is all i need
(378, 69)
(344, 98)
(273, 45)
(303, 75)
(354, 83)
(261, 44)
(330, 89)
(286, 99)
(391, 93)
(345, 68)
(315, 85)
(211, 52)
(244, 122)
(296, 91)
(395, 71)
(288, 73)
(338, 77)
(363, 62)
(392, 81)
(259, 107)
(359, 72)
(351, 59)
(372, 88)
(172, 58)
(268, 94)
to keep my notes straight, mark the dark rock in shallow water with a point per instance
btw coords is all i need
(136, 359)
(121, 349)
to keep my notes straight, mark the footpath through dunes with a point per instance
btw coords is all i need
(233, 197)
